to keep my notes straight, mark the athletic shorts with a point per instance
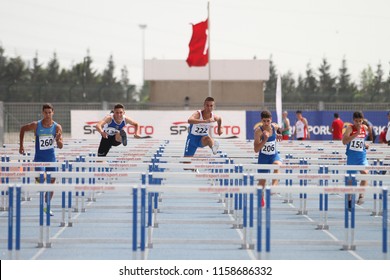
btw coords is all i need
(354, 161)
(106, 144)
(46, 169)
(193, 142)
(267, 159)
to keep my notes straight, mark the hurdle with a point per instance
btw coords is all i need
(14, 205)
(223, 165)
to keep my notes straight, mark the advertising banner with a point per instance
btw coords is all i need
(165, 125)
(320, 122)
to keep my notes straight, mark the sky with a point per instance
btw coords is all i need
(294, 32)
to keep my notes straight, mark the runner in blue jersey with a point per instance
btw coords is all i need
(48, 134)
(200, 123)
(111, 129)
(354, 137)
(265, 138)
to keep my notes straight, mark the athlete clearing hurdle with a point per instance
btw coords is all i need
(46, 132)
(354, 137)
(265, 137)
(198, 133)
(111, 129)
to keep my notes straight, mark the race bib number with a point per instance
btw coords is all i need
(269, 148)
(110, 131)
(46, 142)
(200, 130)
(357, 145)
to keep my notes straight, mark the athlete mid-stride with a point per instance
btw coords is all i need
(265, 141)
(48, 134)
(111, 130)
(199, 131)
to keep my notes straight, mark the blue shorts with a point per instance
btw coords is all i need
(267, 159)
(193, 142)
(45, 169)
(356, 161)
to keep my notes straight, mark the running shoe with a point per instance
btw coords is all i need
(124, 137)
(215, 147)
(45, 211)
(262, 202)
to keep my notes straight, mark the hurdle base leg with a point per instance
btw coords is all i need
(238, 226)
(248, 246)
(150, 245)
(48, 245)
(348, 248)
(70, 224)
(302, 212)
(83, 210)
(288, 201)
(228, 211)
(322, 227)
(40, 245)
(62, 224)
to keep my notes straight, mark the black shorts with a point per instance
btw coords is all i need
(106, 144)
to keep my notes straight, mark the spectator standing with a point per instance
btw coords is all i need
(337, 127)
(388, 128)
(301, 131)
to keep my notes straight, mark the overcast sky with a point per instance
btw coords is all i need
(294, 32)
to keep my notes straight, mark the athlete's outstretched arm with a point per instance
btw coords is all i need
(99, 126)
(59, 139)
(23, 129)
(136, 126)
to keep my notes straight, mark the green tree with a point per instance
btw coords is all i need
(345, 89)
(300, 88)
(310, 85)
(38, 79)
(3, 64)
(326, 83)
(378, 87)
(289, 93)
(387, 88)
(270, 85)
(109, 71)
(366, 85)
(128, 88)
(53, 69)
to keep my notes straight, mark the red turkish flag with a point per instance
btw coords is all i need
(198, 55)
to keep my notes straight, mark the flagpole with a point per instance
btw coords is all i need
(209, 48)
(278, 100)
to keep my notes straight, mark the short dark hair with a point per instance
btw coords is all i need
(209, 99)
(119, 106)
(47, 106)
(298, 112)
(266, 114)
(336, 115)
(358, 115)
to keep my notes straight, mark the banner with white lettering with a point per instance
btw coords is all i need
(167, 125)
(320, 122)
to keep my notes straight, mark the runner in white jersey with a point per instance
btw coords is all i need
(301, 131)
(199, 131)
